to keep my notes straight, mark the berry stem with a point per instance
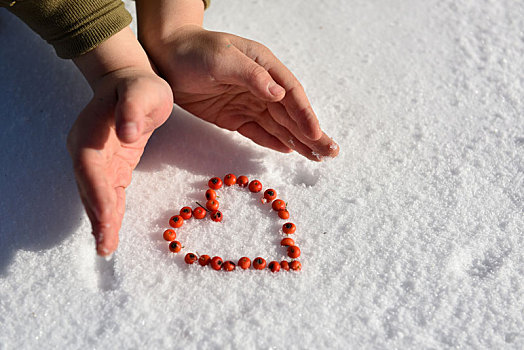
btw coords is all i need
(201, 206)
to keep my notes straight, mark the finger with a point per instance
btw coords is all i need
(260, 136)
(295, 99)
(286, 137)
(138, 111)
(99, 199)
(323, 147)
(239, 69)
(110, 242)
(298, 107)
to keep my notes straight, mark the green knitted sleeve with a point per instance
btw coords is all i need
(73, 27)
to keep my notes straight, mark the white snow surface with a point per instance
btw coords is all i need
(411, 238)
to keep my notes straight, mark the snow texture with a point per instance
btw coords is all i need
(411, 238)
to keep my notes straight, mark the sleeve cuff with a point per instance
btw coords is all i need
(73, 27)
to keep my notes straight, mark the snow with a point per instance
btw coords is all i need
(411, 238)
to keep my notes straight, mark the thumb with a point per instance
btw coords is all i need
(241, 70)
(139, 111)
(128, 119)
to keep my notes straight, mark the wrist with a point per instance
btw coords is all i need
(120, 51)
(160, 19)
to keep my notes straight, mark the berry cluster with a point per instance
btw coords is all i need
(212, 206)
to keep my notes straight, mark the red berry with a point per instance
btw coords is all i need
(295, 265)
(283, 214)
(215, 183)
(186, 213)
(293, 252)
(212, 205)
(190, 258)
(228, 266)
(175, 246)
(289, 228)
(274, 266)
(176, 221)
(285, 265)
(270, 194)
(230, 179)
(255, 186)
(278, 204)
(204, 260)
(216, 216)
(244, 263)
(169, 235)
(287, 242)
(242, 181)
(216, 263)
(210, 195)
(199, 213)
(259, 263)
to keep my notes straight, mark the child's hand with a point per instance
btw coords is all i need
(109, 136)
(238, 84)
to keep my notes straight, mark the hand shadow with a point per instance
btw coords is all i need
(199, 147)
(40, 96)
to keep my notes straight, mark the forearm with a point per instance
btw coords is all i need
(159, 19)
(120, 51)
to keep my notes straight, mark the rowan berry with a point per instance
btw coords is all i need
(230, 179)
(274, 266)
(278, 204)
(287, 242)
(289, 228)
(295, 265)
(190, 258)
(175, 246)
(186, 213)
(176, 221)
(285, 265)
(212, 205)
(216, 216)
(255, 186)
(270, 194)
(199, 213)
(204, 260)
(293, 252)
(210, 195)
(244, 263)
(228, 266)
(216, 263)
(283, 214)
(242, 181)
(259, 263)
(215, 183)
(169, 235)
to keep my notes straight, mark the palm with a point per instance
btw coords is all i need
(106, 163)
(229, 107)
(117, 159)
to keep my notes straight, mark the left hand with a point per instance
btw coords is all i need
(239, 85)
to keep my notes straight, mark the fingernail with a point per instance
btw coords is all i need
(333, 146)
(275, 89)
(99, 237)
(129, 129)
(103, 251)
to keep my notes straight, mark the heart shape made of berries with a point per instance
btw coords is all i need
(211, 208)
